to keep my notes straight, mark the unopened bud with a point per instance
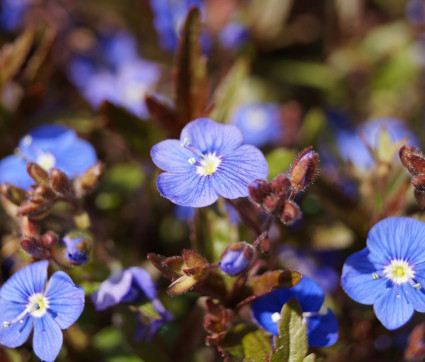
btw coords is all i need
(258, 190)
(236, 258)
(60, 182)
(32, 246)
(37, 173)
(265, 243)
(304, 169)
(418, 182)
(12, 193)
(272, 204)
(281, 185)
(49, 239)
(290, 213)
(78, 247)
(91, 177)
(413, 159)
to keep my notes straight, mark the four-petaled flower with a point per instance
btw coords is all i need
(389, 272)
(322, 326)
(25, 303)
(50, 146)
(208, 161)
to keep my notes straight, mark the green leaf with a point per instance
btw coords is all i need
(291, 345)
(256, 347)
(191, 73)
(310, 358)
(279, 161)
(149, 310)
(314, 121)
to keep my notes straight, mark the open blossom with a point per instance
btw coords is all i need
(389, 272)
(322, 326)
(209, 160)
(26, 303)
(50, 146)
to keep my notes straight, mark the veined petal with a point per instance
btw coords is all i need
(308, 292)
(47, 340)
(77, 158)
(209, 136)
(392, 309)
(357, 277)
(322, 330)
(144, 281)
(169, 155)
(187, 188)
(237, 169)
(16, 334)
(13, 169)
(417, 296)
(398, 238)
(66, 300)
(25, 282)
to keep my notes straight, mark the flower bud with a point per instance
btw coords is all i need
(263, 242)
(12, 193)
(49, 239)
(304, 169)
(78, 247)
(91, 177)
(60, 182)
(29, 227)
(32, 246)
(236, 258)
(272, 204)
(258, 190)
(290, 213)
(37, 173)
(281, 185)
(413, 159)
(418, 182)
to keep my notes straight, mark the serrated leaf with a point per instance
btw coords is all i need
(227, 92)
(191, 71)
(256, 347)
(291, 345)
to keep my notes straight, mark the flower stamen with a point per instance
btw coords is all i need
(399, 271)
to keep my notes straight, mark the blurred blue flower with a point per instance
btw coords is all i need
(78, 248)
(233, 35)
(236, 258)
(260, 123)
(25, 303)
(50, 146)
(209, 160)
(389, 272)
(322, 326)
(415, 12)
(309, 264)
(11, 13)
(353, 149)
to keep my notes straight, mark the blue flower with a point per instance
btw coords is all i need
(415, 12)
(208, 161)
(236, 258)
(26, 303)
(11, 13)
(259, 122)
(50, 146)
(78, 248)
(389, 272)
(322, 326)
(233, 35)
(353, 149)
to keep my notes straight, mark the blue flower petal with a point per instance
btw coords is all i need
(144, 281)
(16, 334)
(417, 296)
(237, 170)
(13, 169)
(209, 136)
(112, 290)
(357, 277)
(322, 330)
(47, 340)
(169, 155)
(25, 282)
(187, 189)
(392, 309)
(264, 307)
(387, 239)
(66, 300)
(77, 158)
(309, 294)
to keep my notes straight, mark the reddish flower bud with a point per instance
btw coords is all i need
(281, 185)
(236, 258)
(265, 244)
(290, 213)
(60, 182)
(29, 227)
(32, 246)
(49, 239)
(304, 169)
(258, 190)
(272, 204)
(413, 159)
(37, 173)
(12, 193)
(418, 182)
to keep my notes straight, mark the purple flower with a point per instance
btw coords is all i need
(233, 35)
(353, 149)
(130, 285)
(236, 258)
(12, 12)
(389, 272)
(78, 248)
(259, 122)
(26, 302)
(322, 326)
(50, 146)
(208, 161)
(415, 12)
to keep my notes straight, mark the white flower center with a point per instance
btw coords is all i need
(276, 317)
(208, 164)
(36, 307)
(46, 161)
(399, 271)
(256, 120)
(134, 92)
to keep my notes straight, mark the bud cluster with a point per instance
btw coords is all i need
(276, 197)
(414, 161)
